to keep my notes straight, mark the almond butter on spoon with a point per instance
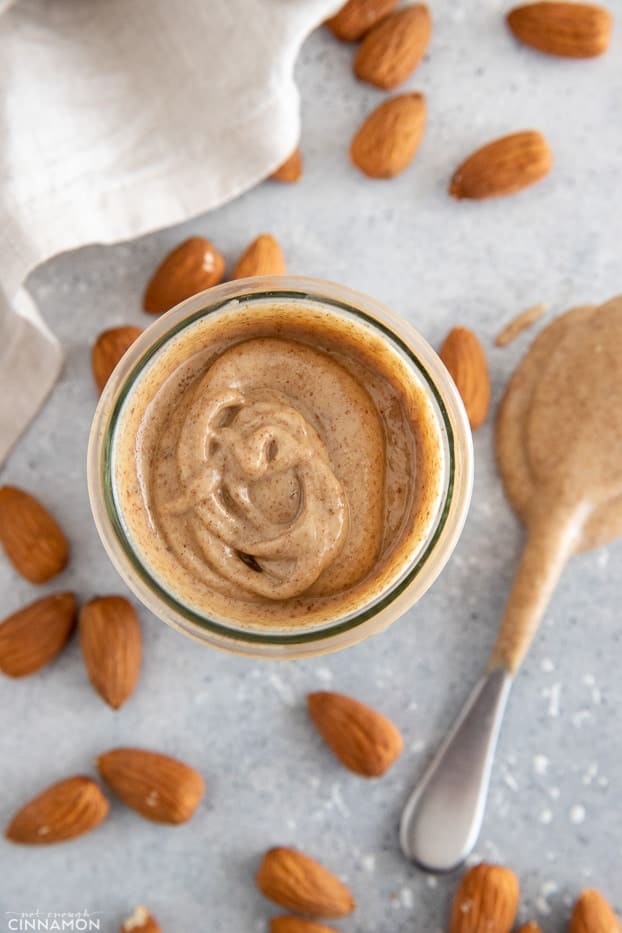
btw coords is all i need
(559, 450)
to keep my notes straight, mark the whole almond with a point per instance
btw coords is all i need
(503, 166)
(32, 540)
(190, 268)
(63, 811)
(108, 349)
(572, 30)
(356, 17)
(158, 787)
(299, 883)
(464, 357)
(296, 925)
(34, 635)
(141, 921)
(486, 900)
(363, 740)
(291, 169)
(111, 643)
(391, 51)
(263, 257)
(593, 914)
(389, 137)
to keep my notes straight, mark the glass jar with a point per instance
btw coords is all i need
(419, 569)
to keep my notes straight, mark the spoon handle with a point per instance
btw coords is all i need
(442, 819)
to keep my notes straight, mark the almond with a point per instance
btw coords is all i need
(141, 921)
(296, 925)
(356, 17)
(363, 740)
(63, 811)
(502, 167)
(592, 914)
(31, 538)
(160, 788)
(263, 257)
(573, 30)
(391, 51)
(190, 268)
(291, 170)
(530, 927)
(464, 357)
(486, 901)
(34, 635)
(299, 883)
(111, 644)
(108, 350)
(389, 137)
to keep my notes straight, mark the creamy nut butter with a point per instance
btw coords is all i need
(276, 465)
(559, 449)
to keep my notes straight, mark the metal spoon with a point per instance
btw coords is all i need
(443, 817)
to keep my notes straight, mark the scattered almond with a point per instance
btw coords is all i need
(486, 900)
(299, 883)
(389, 137)
(63, 811)
(530, 927)
(263, 257)
(519, 323)
(296, 925)
(108, 350)
(34, 635)
(357, 17)
(593, 914)
(503, 166)
(464, 357)
(291, 170)
(573, 30)
(31, 538)
(391, 51)
(141, 921)
(190, 268)
(160, 788)
(111, 644)
(363, 740)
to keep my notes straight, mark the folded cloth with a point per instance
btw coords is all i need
(118, 117)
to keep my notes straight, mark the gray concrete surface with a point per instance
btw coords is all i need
(555, 811)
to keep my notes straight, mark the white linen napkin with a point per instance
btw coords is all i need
(118, 117)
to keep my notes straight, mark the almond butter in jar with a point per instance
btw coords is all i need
(280, 467)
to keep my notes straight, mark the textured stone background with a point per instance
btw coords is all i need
(554, 812)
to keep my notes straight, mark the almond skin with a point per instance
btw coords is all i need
(387, 141)
(572, 30)
(296, 925)
(486, 900)
(111, 643)
(63, 811)
(503, 166)
(357, 17)
(464, 357)
(299, 883)
(32, 540)
(108, 349)
(363, 740)
(34, 635)
(190, 268)
(530, 927)
(141, 921)
(291, 169)
(264, 256)
(391, 51)
(158, 787)
(593, 914)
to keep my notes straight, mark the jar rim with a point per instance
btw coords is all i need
(352, 627)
